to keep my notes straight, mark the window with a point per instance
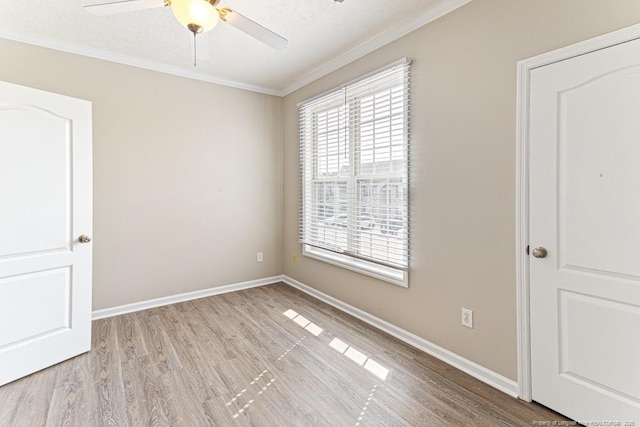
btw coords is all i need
(354, 147)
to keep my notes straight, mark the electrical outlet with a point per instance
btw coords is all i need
(259, 257)
(294, 258)
(467, 317)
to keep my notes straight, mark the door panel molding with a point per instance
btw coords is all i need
(524, 69)
(45, 140)
(33, 293)
(605, 370)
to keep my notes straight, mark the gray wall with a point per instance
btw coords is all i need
(463, 163)
(187, 174)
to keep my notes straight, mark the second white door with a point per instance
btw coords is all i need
(585, 212)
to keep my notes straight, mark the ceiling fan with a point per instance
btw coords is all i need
(198, 16)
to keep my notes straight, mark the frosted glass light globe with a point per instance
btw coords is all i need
(198, 12)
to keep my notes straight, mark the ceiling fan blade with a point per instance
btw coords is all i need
(254, 29)
(123, 6)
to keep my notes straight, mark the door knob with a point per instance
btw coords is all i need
(84, 239)
(539, 252)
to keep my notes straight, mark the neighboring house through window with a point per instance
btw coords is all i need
(354, 147)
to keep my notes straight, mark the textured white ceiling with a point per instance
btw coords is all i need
(322, 34)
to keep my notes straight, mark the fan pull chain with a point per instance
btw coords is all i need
(195, 51)
(195, 29)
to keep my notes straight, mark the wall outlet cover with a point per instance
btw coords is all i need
(467, 317)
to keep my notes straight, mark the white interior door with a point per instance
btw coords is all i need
(45, 204)
(585, 210)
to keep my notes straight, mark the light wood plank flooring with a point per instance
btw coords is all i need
(268, 356)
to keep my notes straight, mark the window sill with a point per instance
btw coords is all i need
(387, 274)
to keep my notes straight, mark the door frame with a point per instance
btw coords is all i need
(523, 325)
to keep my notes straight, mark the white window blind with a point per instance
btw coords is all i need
(354, 146)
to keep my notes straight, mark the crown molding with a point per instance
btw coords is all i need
(382, 39)
(429, 15)
(132, 61)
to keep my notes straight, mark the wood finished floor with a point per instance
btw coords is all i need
(237, 360)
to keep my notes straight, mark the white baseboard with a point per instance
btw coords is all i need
(485, 375)
(158, 302)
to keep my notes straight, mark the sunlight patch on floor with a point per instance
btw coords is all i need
(360, 358)
(355, 355)
(366, 405)
(254, 389)
(287, 351)
(303, 322)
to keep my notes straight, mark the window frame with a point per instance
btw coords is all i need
(309, 166)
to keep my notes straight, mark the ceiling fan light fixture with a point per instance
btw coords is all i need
(195, 14)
